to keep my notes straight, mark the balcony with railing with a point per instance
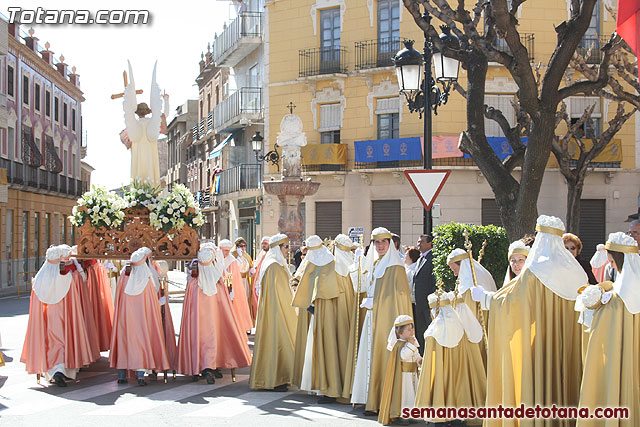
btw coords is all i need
(239, 39)
(238, 110)
(324, 158)
(239, 178)
(38, 179)
(204, 198)
(527, 41)
(589, 48)
(322, 60)
(376, 53)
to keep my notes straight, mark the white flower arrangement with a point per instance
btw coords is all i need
(175, 210)
(102, 208)
(142, 193)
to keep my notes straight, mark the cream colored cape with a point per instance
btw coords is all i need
(275, 331)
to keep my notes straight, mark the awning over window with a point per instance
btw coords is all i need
(218, 150)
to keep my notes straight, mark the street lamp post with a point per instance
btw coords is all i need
(272, 156)
(425, 96)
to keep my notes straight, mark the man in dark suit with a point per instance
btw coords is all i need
(425, 284)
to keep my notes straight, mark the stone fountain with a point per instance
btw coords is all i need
(291, 188)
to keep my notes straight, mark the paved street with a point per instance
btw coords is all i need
(96, 399)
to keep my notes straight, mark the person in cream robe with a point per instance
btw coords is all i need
(612, 362)
(388, 296)
(316, 350)
(273, 350)
(534, 355)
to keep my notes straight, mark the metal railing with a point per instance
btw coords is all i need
(247, 24)
(53, 181)
(389, 165)
(204, 198)
(32, 177)
(243, 177)
(194, 132)
(322, 60)
(202, 129)
(38, 178)
(210, 122)
(594, 44)
(17, 175)
(376, 53)
(44, 179)
(246, 100)
(526, 39)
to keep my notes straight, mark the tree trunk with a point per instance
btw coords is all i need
(574, 194)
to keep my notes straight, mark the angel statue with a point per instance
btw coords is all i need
(143, 132)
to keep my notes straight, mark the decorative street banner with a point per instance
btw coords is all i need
(386, 150)
(500, 146)
(324, 154)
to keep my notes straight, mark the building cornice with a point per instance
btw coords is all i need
(36, 62)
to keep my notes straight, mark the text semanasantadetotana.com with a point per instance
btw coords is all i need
(520, 412)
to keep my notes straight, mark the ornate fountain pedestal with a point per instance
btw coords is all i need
(291, 189)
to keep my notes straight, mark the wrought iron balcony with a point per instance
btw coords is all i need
(589, 48)
(238, 109)
(525, 38)
(376, 53)
(322, 60)
(238, 40)
(243, 177)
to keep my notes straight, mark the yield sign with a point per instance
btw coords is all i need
(427, 184)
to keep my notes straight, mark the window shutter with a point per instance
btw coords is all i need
(387, 105)
(490, 213)
(386, 213)
(578, 105)
(502, 103)
(328, 219)
(592, 225)
(330, 117)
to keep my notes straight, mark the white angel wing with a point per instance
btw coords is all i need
(129, 105)
(155, 103)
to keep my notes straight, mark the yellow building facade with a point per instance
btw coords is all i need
(331, 58)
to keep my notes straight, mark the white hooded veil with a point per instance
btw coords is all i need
(274, 255)
(317, 253)
(49, 285)
(342, 252)
(140, 273)
(551, 263)
(208, 273)
(626, 284)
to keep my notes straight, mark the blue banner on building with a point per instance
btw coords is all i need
(388, 150)
(500, 146)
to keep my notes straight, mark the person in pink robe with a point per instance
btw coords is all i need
(233, 351)
(165, 310)
(232, 274)
(255, 272)
(137, 341)
(56, 342)
(80, 282)
(197, 345)
(101, 300)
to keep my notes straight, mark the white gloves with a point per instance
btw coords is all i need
(477, 293)
(367, 303)
(606, 297)
(162, 300)
(252, 271)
